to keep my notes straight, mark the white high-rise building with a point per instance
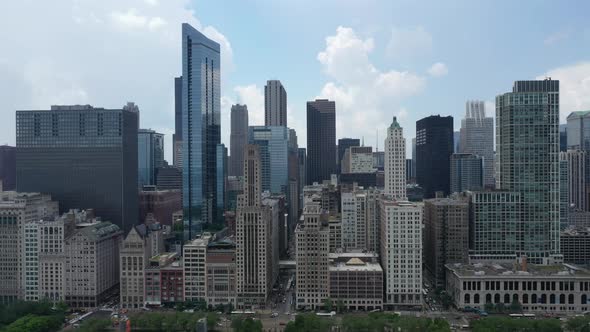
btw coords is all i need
(477, 137)
(194, 256)
(401, 252)
(354, 220)
(275, 104)
(395, 162)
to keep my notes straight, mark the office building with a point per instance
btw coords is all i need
(238, 138)
(576, 178)
(302, 166)
(354, 223)
(321, 140)
(401, 252)
(562, 137)
(160, 204)
(578, 130)
(201, 128)
(335, 229)
(343, 145)
(575, 245)
(466, 172)
(16, 211)
(434, 147)
(220, 274)
(164, 280)
(527, 153)
(294, 184)
(542, 290)
(177, 136)
(312, 245)
(275, 104)
(169, 178)
(92, 270)
(83, 157)
(358, 159)
(410, 176)
(277, 204)
(273, 146)
(327, 194)
(395, 162)
(8, 167)
(135, 252)
(446, 235)
(221, 182)
(253, 237)
(578, 218)
(150, 149)
(564, 199)
(379, 160)
(477, 137)
(194, 254)
(356, 280)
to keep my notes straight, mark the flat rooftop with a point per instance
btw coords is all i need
(510, 270)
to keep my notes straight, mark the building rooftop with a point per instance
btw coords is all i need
(99, 230)
(512, 270)
(355, 264)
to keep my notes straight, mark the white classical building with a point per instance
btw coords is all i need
(395, 162)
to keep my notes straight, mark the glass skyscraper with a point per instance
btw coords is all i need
(527, 144)
(321, 140)
(273, 144)
(84, 157)
(150, 147)
(200, 128)
(434, 147)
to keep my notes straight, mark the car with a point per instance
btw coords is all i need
(274, 314)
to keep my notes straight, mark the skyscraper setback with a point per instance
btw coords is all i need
(200, 128)
(321, 140)
(238, 138)
(275, 104)
(83, 156)
(477, 137)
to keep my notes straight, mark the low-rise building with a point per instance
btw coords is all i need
(164, 280)
(557, 288)
(356, 280)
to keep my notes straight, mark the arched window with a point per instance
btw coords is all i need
(467, 298)
(476, 298)
(562, 299)
(489, 298)
(570, 299)
(497, 298)
(552, 298)
(584, 299)
(514, 297)
(506, 298)
(534, 298)
(525, 298)
(543, 298)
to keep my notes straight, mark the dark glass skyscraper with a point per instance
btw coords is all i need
(177, 136)
(8, 167)
(84, 157)
(321, 140)
(343, 144)
(200, 128)
(434, 147)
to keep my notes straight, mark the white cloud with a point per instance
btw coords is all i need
(438, 69)
(104, 53)
(557, 36)
(253, 97)
(574, 87)
(409, 42)
(366, 97)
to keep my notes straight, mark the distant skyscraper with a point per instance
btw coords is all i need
(434, 146)
(253, 236)
(177, 137)
(220, 182)
(85, 157)
(150, 149)
(321, 140)
(527, 143)
(395, 162)
(410, 177)
(466, 172)
(8, 167)
(343, 144)
(275, 104)
(273, 143)
(238, 138)
(563, 137)
(302, 161)
(578, 130)
(576, 179)
(477, 137)
(563, 193)
(201, 101)
(456, 141)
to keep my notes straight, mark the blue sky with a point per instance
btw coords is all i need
(377, 59)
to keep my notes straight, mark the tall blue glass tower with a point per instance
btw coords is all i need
(200, 128)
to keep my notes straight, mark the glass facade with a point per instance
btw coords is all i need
(85, 157)
(200, 128)
(527, 152)
(222, 168)
(434, 147)
(150, 148)
(273, 143)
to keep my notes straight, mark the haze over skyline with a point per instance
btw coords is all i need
(376, 59)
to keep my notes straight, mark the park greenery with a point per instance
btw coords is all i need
(40, 316)
(508, 324)
(246, 325)
(170, 320)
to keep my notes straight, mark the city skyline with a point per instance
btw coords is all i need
(57, 78)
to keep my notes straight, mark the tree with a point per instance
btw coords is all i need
(309, 322)
(328, 304)
(515, 307)
(230, 307)
(340, 306)
(509, 324)
(579, 324)
(500, 307)
(246, 325)
(489, 307)
(95, 325)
